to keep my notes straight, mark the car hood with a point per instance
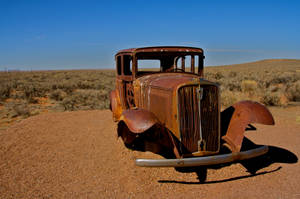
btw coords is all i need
(167, 81)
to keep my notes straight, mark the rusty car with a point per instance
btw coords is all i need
(162, 103)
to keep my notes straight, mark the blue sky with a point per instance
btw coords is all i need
(43, 35)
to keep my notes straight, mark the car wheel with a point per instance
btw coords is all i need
(201, 174)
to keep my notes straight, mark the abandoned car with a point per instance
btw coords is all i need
(163, 104)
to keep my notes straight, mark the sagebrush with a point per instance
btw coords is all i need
(272, 82)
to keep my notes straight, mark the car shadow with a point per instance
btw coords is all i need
(274, 155)
(223, 180)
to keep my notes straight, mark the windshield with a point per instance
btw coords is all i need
(168, 62)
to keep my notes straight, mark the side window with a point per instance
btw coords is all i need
(127, 65)
(119, 65)
(178, 62)
(184, 63)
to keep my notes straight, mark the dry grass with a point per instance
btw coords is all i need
(272, 82)
(22, 94)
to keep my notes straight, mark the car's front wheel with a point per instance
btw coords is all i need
(201, 174)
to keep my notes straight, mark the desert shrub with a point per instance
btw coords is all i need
(293, 91)
(218, 75)
(58, 95)
(233, 86)
(32, 91)
(228, 98)
(274, 99)
(86, 99)
(274, 88)
(21, 110)
(232, 74)
(283, 78)
(85, 84)
(69, 103)
(67, 86)
(5, 91)
(209, 75)
(249, 86)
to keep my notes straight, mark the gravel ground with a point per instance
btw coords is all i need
(78, 155)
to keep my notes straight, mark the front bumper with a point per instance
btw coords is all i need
(203, 161)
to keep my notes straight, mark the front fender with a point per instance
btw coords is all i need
(138, 120)
(242, 114)
(142, 131)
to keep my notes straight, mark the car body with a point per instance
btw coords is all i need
(173, 111)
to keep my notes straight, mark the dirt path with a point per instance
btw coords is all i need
(78, 155)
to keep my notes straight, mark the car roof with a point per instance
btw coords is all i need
(162, 49)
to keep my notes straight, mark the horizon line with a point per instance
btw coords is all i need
(14, 69)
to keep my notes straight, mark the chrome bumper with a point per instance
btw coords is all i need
(203, 161)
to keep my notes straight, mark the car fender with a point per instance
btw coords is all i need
(115, 105)
(141, 130)
(138, 120)
(242, 113)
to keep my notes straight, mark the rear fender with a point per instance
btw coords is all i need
(236, 118)
(115, 105)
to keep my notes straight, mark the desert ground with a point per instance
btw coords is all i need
(78, 155)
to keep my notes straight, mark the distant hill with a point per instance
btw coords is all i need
(266, 64)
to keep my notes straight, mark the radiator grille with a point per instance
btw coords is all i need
(189, 117)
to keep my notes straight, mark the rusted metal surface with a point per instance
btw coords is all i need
(138, 120)
(115, 105)
(245, 112)
(210, 118)
(161, 49)
(189, 118)
(129, 95)
(199, 117)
